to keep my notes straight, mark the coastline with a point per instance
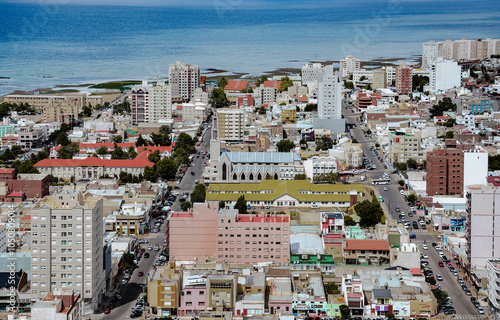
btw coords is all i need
(212, 74)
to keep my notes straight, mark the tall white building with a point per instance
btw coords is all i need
(483, 234)
(310, 72)
(348, 65)
(183, 79)
(475, 167)
(67, 245)
(229, 125)
(151, 102)
(329, 93)
(444, 75)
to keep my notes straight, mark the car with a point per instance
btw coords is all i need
(423, 226)
(410, 214)
(439, 277)
(468, 293)
(450, 311)
(480, 310)
(415, 225)
(441, 264)
(143, 241)
(157, 248)
(424, 246)
(476, 303)
(455, 273)
(464, 287)
(425, 256)
(140, 274)
(150, 247)
(124, 281)
(107, 311)
(146, 255)
(385, 189)
(397, 209)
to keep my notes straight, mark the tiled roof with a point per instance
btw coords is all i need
(7, 170)
(236, 85)
(272, 84)
(140, 161)
(367, 245)
(15, 194)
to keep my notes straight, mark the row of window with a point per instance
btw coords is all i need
(248, 257)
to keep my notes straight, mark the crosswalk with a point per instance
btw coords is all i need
(467, 317)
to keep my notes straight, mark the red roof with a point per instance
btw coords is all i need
(179, 107)
(161, 149)
(28, 217)
(7, 170)
(236, 85)
(15, 194)
(140, 161)
(367, 245)
(494, 180)
(272, 84)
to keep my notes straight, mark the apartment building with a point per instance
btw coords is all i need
(463, 49)
(329, 93)
(348, 65)
(222, 291)
(315, 166)
(139, 105)
(229, 125)
(452, 168)
(493, 289)
(194, 295)
(310, 72)
(58, 305)
(183, 79)
(405, 144)
(379, 78)
(67, 245)
(164, 289)
(194, 112)
(352, 288)
(251, 239)
(482, 234)
(151, 102)
(31, 184)
(246, 101)
(444, 75)
(289, 115)
(404, 78)
(367, 252)
(31, 136)
(268, 91)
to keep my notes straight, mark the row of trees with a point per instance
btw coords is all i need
(6, 108)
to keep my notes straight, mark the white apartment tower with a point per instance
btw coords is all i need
(329, 93)
(310, 72)
(184, 79)
(348, 65)
(229, 125)
(151, 102)
(444, 75)
(67, 245)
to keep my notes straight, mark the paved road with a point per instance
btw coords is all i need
(188, 182)
(392, 199)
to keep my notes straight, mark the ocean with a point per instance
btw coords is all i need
(45, 45)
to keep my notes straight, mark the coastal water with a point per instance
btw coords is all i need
(42, 45)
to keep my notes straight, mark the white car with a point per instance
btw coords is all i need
(424, 246)
(385, 188)
(425, 256)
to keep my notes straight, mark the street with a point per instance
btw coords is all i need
(392, 199)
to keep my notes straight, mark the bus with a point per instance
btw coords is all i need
(381, 181)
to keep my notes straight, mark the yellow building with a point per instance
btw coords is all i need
(221, 293)
(289, 115)
(164, 287)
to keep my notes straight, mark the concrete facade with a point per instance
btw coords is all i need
(329, 93)
(183, 79)
(348, 65)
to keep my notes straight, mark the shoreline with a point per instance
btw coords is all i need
(212, 74)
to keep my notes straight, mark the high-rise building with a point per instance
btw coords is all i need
(348, 65)
(67, 245)
(329, 93)
(379, 78)
(452, 168)
(404, 78)
(310, 72)
(482, 234)
(229, 125)
(444, 75)
(151, 102)
(184, 79)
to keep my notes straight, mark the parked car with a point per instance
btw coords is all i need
(140, 274)
(441, 264)
(439, 277)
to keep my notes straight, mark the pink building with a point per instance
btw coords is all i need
(252, 238)
(193, 234)
(193, 296)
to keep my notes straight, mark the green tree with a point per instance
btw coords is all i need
(261, 80)
(401, 183)
(241, 205)
(354, 140)
(131, 153)
(222, 204)
(118, 153)
(331, 288)
(494, 162)
(349, 221)
(285, 83)
(324, 143)
(448, 135)
(62, 139)
(300, 176)
(150, 174)
(348, 84)
(443, 105)
(412, 198)
(311, 107)
(167, 168)
(25, 167)
(390, 315)
(16, 150)
(185, 143)
(162, 138)
(86, 111)
(68, 151)
(102, 150)
(117, 139)
(344, 311)
(154, 156)
(186, 205)
(411, 163)
(199, 193)
(222, 83)
(418, 82)
(262, 110)
(370, 212)
(218, 98)
(140, 142)
(285, 146)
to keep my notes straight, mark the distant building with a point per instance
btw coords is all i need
(289, 115)
(480, 106)
(151, 102)
(348, 65)
(183, 79)
(329, 93)
(379, 78)
(310, 72)
(164, 289)
(444, 75)
(404, 78)
(404, 145)
(235, 86)
(268, 91)
(246, 101)
(229, 125)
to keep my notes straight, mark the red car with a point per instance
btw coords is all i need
(441, 264)
(140, 274)
(107, 310)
